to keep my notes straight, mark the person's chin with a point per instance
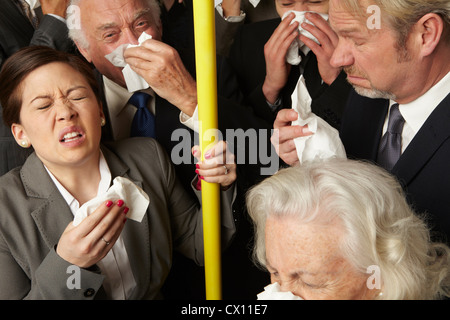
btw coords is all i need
(373, 93)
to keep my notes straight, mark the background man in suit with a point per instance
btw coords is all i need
(267, 80)
(402, 64)
(17, 31)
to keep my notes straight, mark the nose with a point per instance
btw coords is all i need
(130, 36)
(289, 286)
(301, 6)
(342, 55)
(64, 110)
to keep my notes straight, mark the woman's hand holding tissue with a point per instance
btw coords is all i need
(87, 243)
(328, 40)
(219, 165)
(161, 66)
(275, 50)
(284, 135)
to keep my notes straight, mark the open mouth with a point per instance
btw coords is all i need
(71, 136)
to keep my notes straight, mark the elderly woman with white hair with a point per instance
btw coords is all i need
(341, 229)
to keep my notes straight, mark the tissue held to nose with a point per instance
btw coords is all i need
(133, 81)
(293, 56)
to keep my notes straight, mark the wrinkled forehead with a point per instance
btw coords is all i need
(101, 12)
(349, 16)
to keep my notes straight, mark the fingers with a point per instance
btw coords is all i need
(102, 212)
(284, 135)
(218, 165)
(321, 28)
(282, 37)
(110, 226)
(87, 243)
(284, 118)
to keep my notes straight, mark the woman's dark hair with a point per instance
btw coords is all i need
(25, 61)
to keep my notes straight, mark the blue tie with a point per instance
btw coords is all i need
(391, 143)
(143, 124)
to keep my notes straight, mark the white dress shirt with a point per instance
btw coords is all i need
(119, 281)
(121, 113)
(417, 112)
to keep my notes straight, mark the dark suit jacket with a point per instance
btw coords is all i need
(17, 32)
(248, 62)
(226, 31)
(36, 214)
(423, 168)
(178, 24)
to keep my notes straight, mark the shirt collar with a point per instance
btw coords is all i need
(103, 186)
(33, 3)
(417, 112)
(117, 96)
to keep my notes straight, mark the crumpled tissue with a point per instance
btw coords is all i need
(134, 197)
(133, 81)
(272, 292)
(292, 56)
(325, 142)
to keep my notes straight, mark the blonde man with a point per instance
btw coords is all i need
(403, 63)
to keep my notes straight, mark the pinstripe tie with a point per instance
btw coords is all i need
(29, 13)
(391, 143)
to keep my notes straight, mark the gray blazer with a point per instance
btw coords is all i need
(33, 215)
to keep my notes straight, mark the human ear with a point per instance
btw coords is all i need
(429, 31)
(20, 135)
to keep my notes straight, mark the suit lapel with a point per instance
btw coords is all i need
(434, 132)
(51, 213)
(362, 126)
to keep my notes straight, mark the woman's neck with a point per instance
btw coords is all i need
(82, 180)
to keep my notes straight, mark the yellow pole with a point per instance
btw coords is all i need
(205, 57)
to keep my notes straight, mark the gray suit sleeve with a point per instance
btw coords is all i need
(58, 279)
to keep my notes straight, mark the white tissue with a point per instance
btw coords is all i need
(133, 196)
(272, 292)
(325, 142)
(133, 81)
(292, 56)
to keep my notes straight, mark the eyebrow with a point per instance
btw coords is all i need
(300, 271)
(136, 16)
(48, 96)
(349, 31)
